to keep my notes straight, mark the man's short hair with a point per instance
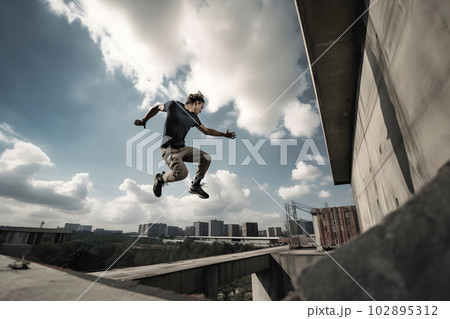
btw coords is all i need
(192, 98)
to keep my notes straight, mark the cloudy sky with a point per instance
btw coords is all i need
(74, 75)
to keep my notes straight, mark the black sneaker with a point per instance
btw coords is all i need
(158, 184)
(197, 189)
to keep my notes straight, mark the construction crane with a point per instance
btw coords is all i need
(293, 227)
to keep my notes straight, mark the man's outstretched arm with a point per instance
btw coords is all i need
(213, 132)
(152, 112)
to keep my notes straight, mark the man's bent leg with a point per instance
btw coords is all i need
(192, 154)
(174, 160)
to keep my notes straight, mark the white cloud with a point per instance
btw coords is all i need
(26, 200)
(305, 172)
(300, 119)
(9, 131)
(229, 201)
(293, 192)
(22, 154)
(241, 51)
(324, 194)
(19, 165)
(277, 134)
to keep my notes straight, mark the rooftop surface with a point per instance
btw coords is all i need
(43, 283)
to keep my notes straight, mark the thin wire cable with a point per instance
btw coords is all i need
(122, 49)
(273, 103)
(174, 202)
(318, 245)
(131, 58)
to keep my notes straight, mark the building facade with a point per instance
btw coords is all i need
(262, 233)
(157, 230)
(306, 227)
(102, 231)
(190, 231)
(385, 122)
(249, 229)
(73, 227)
(335, 225)
(215, 227)
(87, 228)
(233, 230)
(142, 230)
(77, 227)
(278, 232)
(174, 231)
(201, 228)
(33, 235)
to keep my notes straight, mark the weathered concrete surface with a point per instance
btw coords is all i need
(383, 92)
(294, 261)
(402, 135)
(406, 257)
(202, 275)
(334, 70)
(48, 284)
(134, 273)
(276, 281)
(271, 284)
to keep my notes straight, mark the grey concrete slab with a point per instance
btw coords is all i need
(334, 70)
(134, 273)
(406, 257)
(41, 283)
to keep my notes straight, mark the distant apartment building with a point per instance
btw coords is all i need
(335, 225)
(249, 229)
(190, 230)
(33, 235)
(278, 232)
(232, 230)
(174, 231)
(306, 227)
(262, 233)
(87, 228)
(201, 228)
(157, 230)
(301, 227)
(225, 230)
(77, 227)
(274, 232)
(143, 229)
(73, 227)
(215, 227)
(102, 231)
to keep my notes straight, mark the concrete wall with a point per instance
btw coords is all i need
(402, 133)
(275, 282)
(209, 278)
(404, 258)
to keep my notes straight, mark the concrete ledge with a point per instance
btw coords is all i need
(406, 257)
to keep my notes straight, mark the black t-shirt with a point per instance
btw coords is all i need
(178, 123)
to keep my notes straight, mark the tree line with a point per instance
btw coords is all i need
(91, 252)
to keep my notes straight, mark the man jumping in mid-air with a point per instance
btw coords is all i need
(180, 118)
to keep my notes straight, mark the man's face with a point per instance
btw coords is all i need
(198, 107)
